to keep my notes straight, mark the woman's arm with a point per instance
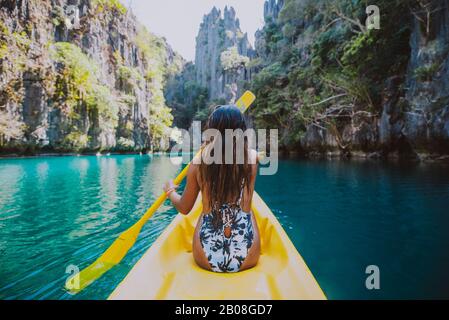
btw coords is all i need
(185, 202)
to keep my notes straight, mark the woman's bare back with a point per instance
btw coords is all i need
(245, 248)
(237, 246)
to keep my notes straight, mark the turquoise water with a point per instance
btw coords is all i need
(342, 216)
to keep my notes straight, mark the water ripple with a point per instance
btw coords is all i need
(341, 216)
(60, 211)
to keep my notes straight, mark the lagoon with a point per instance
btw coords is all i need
(342, 216)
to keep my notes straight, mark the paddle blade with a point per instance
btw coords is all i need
(245, 101)
(112, 256)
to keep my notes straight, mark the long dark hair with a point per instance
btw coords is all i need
(224, 182)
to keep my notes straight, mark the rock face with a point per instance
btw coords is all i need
(79, 75)
(222, 55)
(413, 120)
(419, 120)
(272, 8)
(426, 122)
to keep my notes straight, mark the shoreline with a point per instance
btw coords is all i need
(67, 154)
(330, 156)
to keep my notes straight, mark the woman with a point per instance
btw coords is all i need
(226, 237)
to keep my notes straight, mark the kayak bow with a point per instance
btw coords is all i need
(168, 271)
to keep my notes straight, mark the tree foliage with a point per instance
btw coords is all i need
(231, 59)
(77, 85)
(109, 5)
(319, 57)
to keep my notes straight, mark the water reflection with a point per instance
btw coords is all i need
(70, 209)
(155, 176)
(108, 183)
(42, 172)
(81, 166)
(127, 173)
(11, 180)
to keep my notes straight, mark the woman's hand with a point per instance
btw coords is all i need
(170, 186)
(185, 202)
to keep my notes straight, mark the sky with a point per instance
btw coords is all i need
(179, 20)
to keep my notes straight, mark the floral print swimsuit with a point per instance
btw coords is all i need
(227, 253)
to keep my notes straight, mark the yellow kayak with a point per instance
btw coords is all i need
(167, 270)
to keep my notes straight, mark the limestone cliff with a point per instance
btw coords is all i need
(424, 123)
(222, 55)
(334, 87)
(80, 75)
(272, 8)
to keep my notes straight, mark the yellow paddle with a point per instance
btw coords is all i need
(120, 247)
